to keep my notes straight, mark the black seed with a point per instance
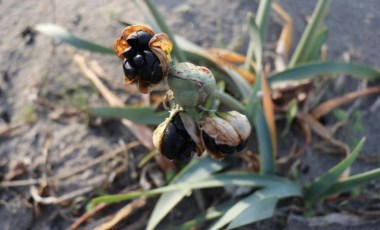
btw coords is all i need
(129, 71)
(241, 146)
(129, 53)
(138, 61)
(157, 74)
(149, 71)
(209, 142)
(221, 148)
(226, 149)
(139, 40)
(177, 143)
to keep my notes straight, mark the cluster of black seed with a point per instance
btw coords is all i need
(177, 143)
(140, 60)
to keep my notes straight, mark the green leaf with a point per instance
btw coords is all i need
(316, 45)
(308, 35)
(258, 206)
(137, 114)
(315, 69)
(267, 163)
(291, 113)
(217, 180)
(255, 47)
(211, 213)
(323, 183)
(262, 17)
(61, 34)
(352, 182)
(195, 171)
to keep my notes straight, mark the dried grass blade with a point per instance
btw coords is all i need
(122, 214)
(284, 44)
(329, 105)
(268, 110)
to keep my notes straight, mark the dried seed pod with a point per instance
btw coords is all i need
(146, 56)
(191, 85)
(224, 133)
(174, 137)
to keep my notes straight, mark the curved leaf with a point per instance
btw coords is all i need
(195, 171)
(258, 206)
(324, 182)
(315, 69)
(61, 34)
(217, 180)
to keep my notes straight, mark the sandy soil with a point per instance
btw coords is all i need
(40, 78)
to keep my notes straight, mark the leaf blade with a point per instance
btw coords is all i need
(323, 183)
(195, 171)
(61, 34)
(313, 69)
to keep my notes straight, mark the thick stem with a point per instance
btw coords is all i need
(228, 101)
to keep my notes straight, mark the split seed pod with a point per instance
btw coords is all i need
(178, 137)
(146, 56)
(224, 133)
(191, 84)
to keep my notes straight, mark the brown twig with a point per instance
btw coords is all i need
(122, 214)
(56, 200)
(87, 216)
(327, 106)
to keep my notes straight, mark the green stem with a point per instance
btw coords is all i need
(164, 27)
(228, 101)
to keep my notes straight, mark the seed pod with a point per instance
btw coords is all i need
(174, 137)
(191, 85)
(146, 56)
(224, 133)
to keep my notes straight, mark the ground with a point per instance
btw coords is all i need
(44, 93)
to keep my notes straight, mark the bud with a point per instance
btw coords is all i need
(224, 133)
(146, 56)
(178, 137)
(191, 85)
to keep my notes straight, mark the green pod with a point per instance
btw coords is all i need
(191, 84)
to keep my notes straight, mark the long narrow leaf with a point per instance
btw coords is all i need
(315, 69)
(316, 45)
(217, 180)
(61, 34)
(258, 206)
(255, 45)
(196, 171)
(310, 30)
(323, 183)
(352, 182)
(211, 213)
(262, 17)
(137, 114)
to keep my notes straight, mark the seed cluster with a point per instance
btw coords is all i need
(140, 61)
(220, 134)
(177, 143)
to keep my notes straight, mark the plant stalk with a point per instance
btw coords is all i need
(228, 101)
